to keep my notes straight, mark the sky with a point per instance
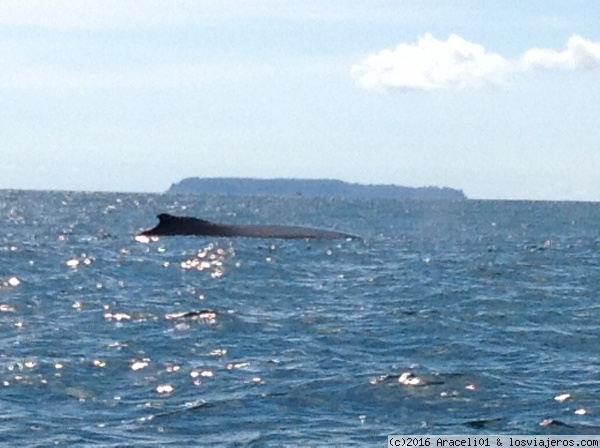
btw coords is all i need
(498, 99)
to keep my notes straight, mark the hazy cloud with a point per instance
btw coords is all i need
(108, 14)
(458, 64)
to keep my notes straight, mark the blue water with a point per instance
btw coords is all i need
(474, 317)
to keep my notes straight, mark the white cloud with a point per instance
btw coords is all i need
(458, 64)
(432, 64)
(580, 53)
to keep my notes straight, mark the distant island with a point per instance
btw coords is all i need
(309, 188)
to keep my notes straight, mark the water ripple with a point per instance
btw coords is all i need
(472, 317)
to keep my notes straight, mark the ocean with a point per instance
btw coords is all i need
(468, 317)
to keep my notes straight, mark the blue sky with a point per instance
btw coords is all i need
(499, 99)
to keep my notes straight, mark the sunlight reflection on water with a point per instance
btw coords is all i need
(438, 322)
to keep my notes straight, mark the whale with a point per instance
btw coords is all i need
(185, 225)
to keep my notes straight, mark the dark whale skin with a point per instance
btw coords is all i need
(183, 225)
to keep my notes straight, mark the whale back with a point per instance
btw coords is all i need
(182, 225)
